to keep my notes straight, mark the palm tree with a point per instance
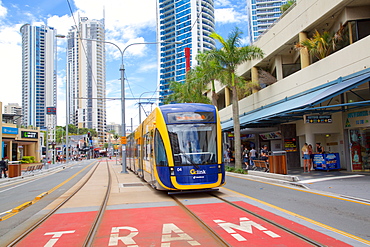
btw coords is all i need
(229, 57)
(189, 92)
(322, 45)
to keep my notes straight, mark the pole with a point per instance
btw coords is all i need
(123, 109)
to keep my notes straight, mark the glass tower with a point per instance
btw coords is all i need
(262, 13)
(86, 78)
(188, 21)
(38, 74)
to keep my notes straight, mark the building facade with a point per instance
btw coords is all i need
(188, 21)
(86, 79)
(262, 14)
(313, 99)
(38, 74)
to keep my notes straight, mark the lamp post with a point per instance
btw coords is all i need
(123, 121)
(122, 70)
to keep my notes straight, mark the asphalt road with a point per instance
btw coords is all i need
(341, 214)
(18, 191)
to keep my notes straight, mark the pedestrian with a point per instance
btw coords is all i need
(310, 152)
(305, 157)
(246, 158)
(319, 148)
(3, 167)
(226, 157)
(264, 153)
(252, 156)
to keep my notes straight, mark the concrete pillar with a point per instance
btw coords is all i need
(227, 96)
(279, 67)
(305, 58)
(254, 75)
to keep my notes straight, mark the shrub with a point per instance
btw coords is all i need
(28, 159)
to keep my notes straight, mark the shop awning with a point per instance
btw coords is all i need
(294, 107)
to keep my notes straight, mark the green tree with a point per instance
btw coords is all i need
(286, 6)
(228, 58)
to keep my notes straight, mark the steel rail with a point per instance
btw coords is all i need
(43, 219)
(298, 235)
(217, 237)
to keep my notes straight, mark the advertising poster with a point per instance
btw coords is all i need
(290, 145)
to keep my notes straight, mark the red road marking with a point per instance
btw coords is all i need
(312, 234)
(64, 224)
(149, 223)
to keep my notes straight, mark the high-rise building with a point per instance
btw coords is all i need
(86, 79)
(38, 74)
(262, 14)
(188, 21)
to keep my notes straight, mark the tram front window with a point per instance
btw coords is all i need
(193, 144)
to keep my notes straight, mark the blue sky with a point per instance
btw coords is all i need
(126, 22)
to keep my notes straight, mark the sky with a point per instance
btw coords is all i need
(126, 22)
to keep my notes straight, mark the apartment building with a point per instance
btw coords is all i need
(262, 14)
(187, 21)
(38, 75)
(86, 79)
(312, 99)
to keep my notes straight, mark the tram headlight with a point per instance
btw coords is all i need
(172, 171)
(219, 168)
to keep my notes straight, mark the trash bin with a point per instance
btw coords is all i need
(14, 170)
(277, 162)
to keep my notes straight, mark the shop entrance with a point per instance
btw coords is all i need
(360, 149)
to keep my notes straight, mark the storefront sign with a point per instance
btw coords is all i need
(319, 119)
(10, 130)
(358, 119)
(290, 145)
(29, 134)
(271, 135)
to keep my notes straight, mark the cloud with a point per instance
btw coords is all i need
(229, 15)
(10, 65)
(3, 11)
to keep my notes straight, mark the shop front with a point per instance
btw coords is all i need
(19, 142)
(358, 125)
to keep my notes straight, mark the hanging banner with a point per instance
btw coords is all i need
(271, 135)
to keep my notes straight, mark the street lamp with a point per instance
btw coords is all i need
(122, 70)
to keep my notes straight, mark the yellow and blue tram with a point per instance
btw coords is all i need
(178, 147)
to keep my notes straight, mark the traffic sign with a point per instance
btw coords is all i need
(123, 140)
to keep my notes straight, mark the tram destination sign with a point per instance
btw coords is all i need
(29, 134)
(318, 119)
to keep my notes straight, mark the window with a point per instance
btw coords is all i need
(160, 152)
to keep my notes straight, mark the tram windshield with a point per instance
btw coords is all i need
(193, 144)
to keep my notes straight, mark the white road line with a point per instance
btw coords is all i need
(327, 178)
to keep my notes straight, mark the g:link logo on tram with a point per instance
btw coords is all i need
(194, 172)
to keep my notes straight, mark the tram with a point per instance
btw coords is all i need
(178, 148)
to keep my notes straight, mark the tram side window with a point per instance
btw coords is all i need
(160, 152)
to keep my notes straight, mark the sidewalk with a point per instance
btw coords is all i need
(353, 185)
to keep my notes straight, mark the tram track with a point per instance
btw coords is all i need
(294, 233)
(219, 238)
(94, 226)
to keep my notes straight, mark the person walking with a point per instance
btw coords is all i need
(252, 156)
(3, 167)
(306, 157)
(246, 157)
